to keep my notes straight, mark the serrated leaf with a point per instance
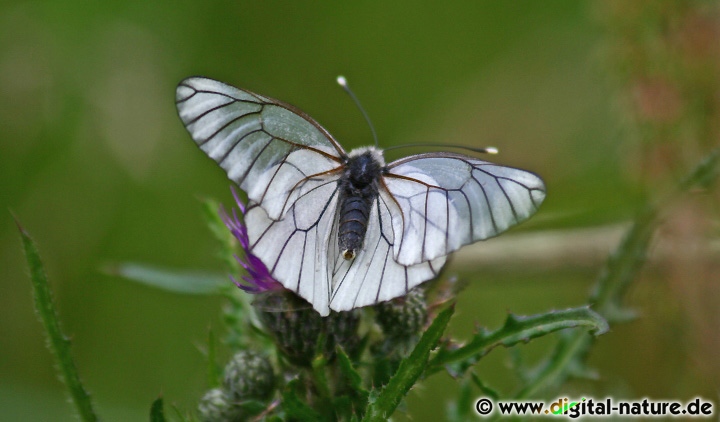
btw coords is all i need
(342, 407)
(58, 343)
(383, 368)
(619, 270)
(615, 313)
(187, 282)
(411, 368)
(571, 348)
(318, 364)
(483, 387)
(296, 408)
(157, 413)
(350, 373)
(519, 329)
(353, 381)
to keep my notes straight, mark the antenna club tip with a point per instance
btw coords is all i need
(341, 81)
(491, 150)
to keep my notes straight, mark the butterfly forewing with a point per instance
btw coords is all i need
(450, 200)
(265, 146)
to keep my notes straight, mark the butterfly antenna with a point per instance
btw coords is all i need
(486, 150)
(343, 83)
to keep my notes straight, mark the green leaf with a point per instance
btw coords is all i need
(569, 352)
(214, 373)
(296, 408)
(459, 410)
(517, 329)
(176, 281)
(517, 364)
(319, 364)
(353, 381)
(228, 243)
(620, 269)
(156, 411)
(252, 406)
(342, 408)
(383, 405)
(350, 373)
(704, 174)
(58, 343)
(483, 387)
(240, 317)
(384, 366)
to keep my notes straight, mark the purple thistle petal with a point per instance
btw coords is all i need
(258, 278)
(241, 286)
(239, 202)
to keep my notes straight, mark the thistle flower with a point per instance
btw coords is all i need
(296, 328)
(258, 278)
(293, 323)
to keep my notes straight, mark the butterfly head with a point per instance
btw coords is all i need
(364, 166)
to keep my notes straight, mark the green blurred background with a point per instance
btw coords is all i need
(608, 101)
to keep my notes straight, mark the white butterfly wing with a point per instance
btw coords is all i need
(374, 275)
(265, 146)
(301, 251)
(295, 247)
(449, 200)
(428, 205)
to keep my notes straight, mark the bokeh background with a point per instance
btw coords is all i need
(611, 102)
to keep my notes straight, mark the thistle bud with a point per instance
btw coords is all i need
(404, 317)
(217, 406)
(249, 375)
(296, 328)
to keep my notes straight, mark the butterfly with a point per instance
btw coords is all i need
(346, 229)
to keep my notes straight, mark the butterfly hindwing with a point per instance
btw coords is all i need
(374, 275)
(301, 251)
(295, 247)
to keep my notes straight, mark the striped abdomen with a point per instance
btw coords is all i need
(358, 191)
(354, 214)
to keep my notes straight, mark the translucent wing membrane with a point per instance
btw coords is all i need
(265, 146)
(301, 251)
(295, 248)
(450, 200)
(428, 205)
(374, 275)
